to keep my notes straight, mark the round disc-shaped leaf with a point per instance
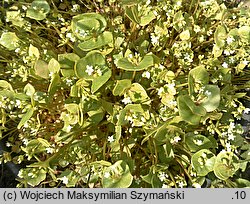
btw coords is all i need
(212, 100)
(33, 176)
(121, 86)
(9, 40)
(197, 75)
(137, 93)
(198, 142)
(85, 67)
(117, 176)
(85, 25)
(38, 10)
(203, 162)
(220, 36)
(225, 165)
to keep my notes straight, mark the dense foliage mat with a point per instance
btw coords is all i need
(121, 93)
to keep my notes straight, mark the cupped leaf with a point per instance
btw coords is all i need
(68, 60)
(220, 36)
(38, 10)
(203, 162)
(41, 69)
(198, 142)
(117, 176)
(130, 108)
(125, 64)
(198, 75)
(185, 35)
(212, 99)
(244, 33)
(137, 93)
(54, 66)
(86, 25)
(33, 176)
(190, 112)
(99, 81)
(6, 85)
(9, 40)
(226, 164)
(101, 40)
(121, 86)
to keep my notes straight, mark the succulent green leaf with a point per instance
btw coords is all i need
(117, 176)
(9, 40)
(87, 25)
(244, 33)
(54, 66)
(38, 10)
(67, 61)
(190, 112)
(33, 176)
(203, 162)
(99, 81)
(185, 35)
(198, 75)
(6, 85)
(103, 39)
(29, 90)
(226, 164)
(212, 100)
(137, 93)
(146, 62)
(132, 14)
(33, 51)
(132, 108)
(121, 86)
(41, 69)
(146, 19)
(198, 142)
(220, 36)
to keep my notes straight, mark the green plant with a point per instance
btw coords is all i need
(122, 93)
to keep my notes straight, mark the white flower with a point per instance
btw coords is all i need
(196, 185)
(89, 70)
(126, 100)
(198, 142)
(246, 111)
(225, 65)
(111, 139)
(160, 91)
(245, 62)
(68, 128)
(226, 52)
(106, 175)
(49, 150)
(146, 74)
(162, 176)
(154, 39)
(176, 139)
(197, 28)
(68, 82)
(65, 180)
(207, 93)
(99, 72)
(25, 141)
(181, 184)
(231, 136)
(230, 40)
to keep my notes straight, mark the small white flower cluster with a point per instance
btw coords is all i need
(92, 71)
(232, 131)
(135, 119)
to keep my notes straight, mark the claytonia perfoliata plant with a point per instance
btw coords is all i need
(117, 93)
